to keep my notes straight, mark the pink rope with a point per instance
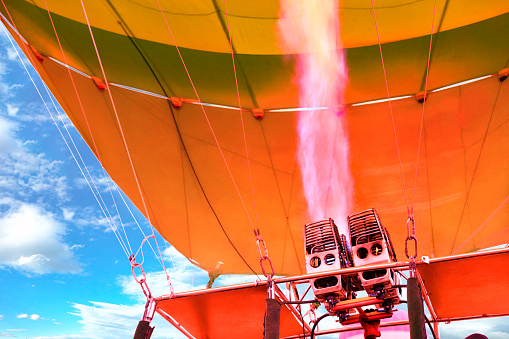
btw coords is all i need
(94, 143)
(423, 106)
(482, 226)
(241, 117)
(122, 244)
(205, 114)
(124, 140)
(89, 129)
(390, 106)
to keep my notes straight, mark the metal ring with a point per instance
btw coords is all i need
(415, 246)
(134, 274)
(263, 268)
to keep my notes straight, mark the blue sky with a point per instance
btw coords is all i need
(63, 274)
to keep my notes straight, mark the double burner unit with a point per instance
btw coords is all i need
(327, 249)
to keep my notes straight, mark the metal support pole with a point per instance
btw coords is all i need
(174, 323)
(436, 329)
(291, 308)
(415, 309)
(272, 318)
(429, 305)
(144, 330)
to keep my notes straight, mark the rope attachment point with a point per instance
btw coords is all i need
(410, 225)
(176, 103)
(99, 83)
(258, 113)
(37, 54)
(142, 281)
(264, 256)
(264, 259)
(421, 96)
(503, 74)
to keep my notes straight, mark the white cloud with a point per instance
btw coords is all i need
(12, 110)
(8, 142)
(226, 280)
(16, 86)
(104, 320)
(90, 219)
(23, 172)
(31, 240)
(16, 329)
(65, 336)
(184, 276)
(26, 316)
(3, 68)
(11, 54)
(99, 182)
(6, 334)
(493, 328)
(1, 316)
(68, 214)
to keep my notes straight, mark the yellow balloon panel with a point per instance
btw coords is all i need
(196, 24)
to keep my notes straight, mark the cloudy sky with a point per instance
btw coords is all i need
(63, 273)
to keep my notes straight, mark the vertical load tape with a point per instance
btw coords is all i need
(143, 331)
(272, 319)
(415, 310)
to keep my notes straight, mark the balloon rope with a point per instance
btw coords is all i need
(211, 129)
(262, 250)
(125, 142)
(205, 114)
(481, 227)
(476, 166)
(170, 105)
(423, 106)
(89, 130)
(96, 149)
(114, 229)
(116, 113)
(390, 107)
(241, 117)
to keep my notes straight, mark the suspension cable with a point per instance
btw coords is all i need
(125, 143)
(482, 226)
(88, 172)
(476, 167)
(205, 115)
(240, 114)
(390, 106)
(210, 127)
(423, 106)
(95, 145)
(410, 220)
(114, 229)
(105, 210)
(263, 256)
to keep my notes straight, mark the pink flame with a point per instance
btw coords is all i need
(311, 29)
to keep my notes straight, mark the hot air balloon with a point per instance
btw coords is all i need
(208, 152)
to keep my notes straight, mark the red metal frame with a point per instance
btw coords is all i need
(356, 303)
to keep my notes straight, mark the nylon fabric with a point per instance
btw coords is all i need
(268, 74)
(455, 124)
(197, 25)
(483, 277)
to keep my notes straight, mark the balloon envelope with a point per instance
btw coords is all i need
(463, 162)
